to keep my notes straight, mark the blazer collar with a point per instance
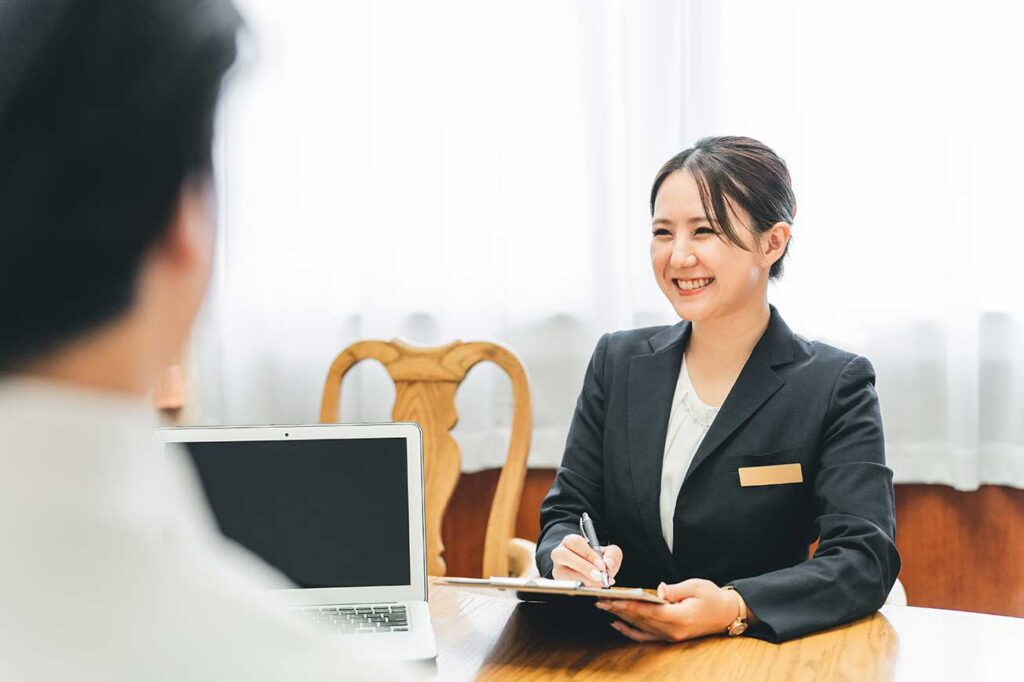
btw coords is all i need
(778, 343)
(652, 381)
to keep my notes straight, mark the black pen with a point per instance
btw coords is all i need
(587, 528)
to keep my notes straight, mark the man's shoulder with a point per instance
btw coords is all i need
(131, 602)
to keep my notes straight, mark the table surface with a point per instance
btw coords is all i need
(492, 635)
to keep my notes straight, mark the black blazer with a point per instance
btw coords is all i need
(795, 401)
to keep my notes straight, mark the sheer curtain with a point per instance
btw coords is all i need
(466, 170)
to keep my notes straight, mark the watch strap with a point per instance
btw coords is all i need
(738, 626)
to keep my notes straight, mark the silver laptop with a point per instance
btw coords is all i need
(338, 509)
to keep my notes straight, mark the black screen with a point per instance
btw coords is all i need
(326, 513)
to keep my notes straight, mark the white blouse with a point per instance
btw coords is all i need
(688, 423)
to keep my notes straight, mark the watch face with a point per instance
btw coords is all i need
(737, 628)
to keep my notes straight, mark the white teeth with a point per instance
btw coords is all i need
(694, 284)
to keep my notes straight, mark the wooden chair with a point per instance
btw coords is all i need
(426, 380)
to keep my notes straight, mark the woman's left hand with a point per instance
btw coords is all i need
(698, 608)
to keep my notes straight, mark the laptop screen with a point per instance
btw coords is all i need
(326, 513)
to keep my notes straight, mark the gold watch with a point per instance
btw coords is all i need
(738, 626)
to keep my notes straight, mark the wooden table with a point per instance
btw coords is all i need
(494, 636)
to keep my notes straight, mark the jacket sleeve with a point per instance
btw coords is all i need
(856, 562)
(579, 482)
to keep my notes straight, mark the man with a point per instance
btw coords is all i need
(109, 565)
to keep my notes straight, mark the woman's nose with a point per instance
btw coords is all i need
(683, 259)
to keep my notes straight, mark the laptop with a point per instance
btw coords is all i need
(338, 509)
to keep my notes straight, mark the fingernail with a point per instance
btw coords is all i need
(601, 605)
(611, 582)
(596, 575)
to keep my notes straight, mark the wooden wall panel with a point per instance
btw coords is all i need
(960, 550)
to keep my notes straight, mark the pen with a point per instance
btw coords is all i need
(587, 528)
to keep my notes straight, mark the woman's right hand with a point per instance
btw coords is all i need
(573, 559)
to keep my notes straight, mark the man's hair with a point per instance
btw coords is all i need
(106, 111)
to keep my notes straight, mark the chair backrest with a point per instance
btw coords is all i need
(426, 380)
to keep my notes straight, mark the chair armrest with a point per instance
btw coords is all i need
(521, 563)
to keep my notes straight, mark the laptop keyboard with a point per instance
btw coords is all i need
(360, 619)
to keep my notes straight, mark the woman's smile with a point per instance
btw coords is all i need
(692, 287)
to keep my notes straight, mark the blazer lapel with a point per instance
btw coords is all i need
(652, 382)
(756, 383)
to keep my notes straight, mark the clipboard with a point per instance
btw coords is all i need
(568, 588)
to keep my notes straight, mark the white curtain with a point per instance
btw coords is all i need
(480, 170)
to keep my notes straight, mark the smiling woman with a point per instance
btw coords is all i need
(711, 453)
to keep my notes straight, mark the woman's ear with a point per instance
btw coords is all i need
(774, 242)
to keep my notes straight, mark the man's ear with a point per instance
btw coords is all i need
(774, 242)
(188, 238)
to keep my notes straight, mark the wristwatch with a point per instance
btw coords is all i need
(738, 626)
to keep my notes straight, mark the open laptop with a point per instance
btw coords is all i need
(338, 509)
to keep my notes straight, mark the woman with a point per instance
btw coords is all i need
(712, 453)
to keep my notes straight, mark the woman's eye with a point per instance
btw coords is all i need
(661, 232)
(703, 230)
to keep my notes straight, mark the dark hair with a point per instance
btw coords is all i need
(106, 111)
(740, 170)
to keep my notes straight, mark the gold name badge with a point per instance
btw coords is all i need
(776, 474)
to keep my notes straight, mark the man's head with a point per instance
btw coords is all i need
(106, 120)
